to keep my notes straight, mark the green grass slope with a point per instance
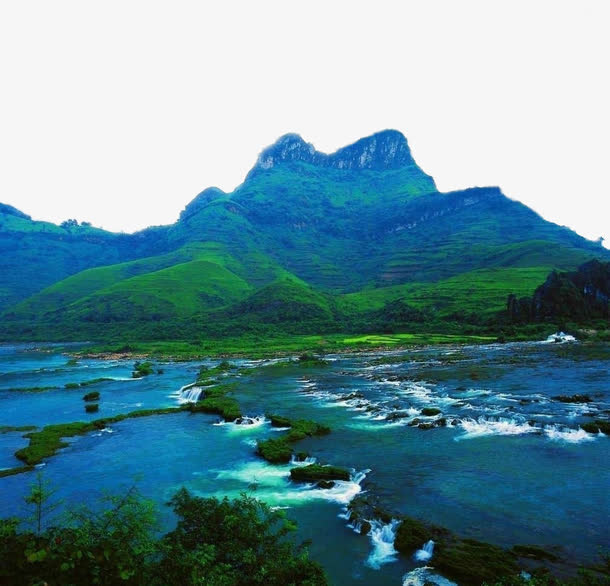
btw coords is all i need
(174, 292)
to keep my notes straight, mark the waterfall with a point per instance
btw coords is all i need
(382, 538)
(189, 394)
(425, 553)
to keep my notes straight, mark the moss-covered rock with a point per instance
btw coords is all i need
(92, 407)
(534, 552)
(573, 398)
(275, 450)
(215, 400)
(310, 360)
(279, 421)
(141, 369)
(411, 535)
(597, 426)
(315, 472)
(92, 396)
(302, 428)
(279, 450)
(471, 562)
(226, 407)
(430, 411)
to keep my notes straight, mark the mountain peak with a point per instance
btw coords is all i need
(387, 149)
(289, 147)
(203, 199)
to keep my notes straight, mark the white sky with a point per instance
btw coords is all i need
(120, 112)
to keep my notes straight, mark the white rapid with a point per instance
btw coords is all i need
(567, 434)
(494, 426)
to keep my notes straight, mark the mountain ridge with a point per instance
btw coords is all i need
(364, 221)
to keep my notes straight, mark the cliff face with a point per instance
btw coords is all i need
(579, 296)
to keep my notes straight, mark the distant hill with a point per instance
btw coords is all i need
(355, 240)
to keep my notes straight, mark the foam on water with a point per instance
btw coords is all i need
(272, 484)
(567, 434)
(367, 426)
(382, 536)
(472, 393)
(243, 424)
(417, 390)
(104, 430)
(482, 426)
(424, 575)
(559, 338)
(257, 472)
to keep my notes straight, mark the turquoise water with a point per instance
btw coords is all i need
(511, 466)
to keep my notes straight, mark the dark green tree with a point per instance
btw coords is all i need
(239, 541)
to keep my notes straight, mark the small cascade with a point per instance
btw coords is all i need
(382, 538)
(425, 553)
(189, 394)
(358, 477)
(302, 462)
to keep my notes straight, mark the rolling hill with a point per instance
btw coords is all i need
(355, 240)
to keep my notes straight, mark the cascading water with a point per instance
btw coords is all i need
(425, 553)
(382, 537)
(304, 462)
(189, 394)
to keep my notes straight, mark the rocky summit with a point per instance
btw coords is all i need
(381, 151)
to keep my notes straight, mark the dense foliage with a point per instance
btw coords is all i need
(216, 542)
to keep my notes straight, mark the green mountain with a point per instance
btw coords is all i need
(356, 240)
